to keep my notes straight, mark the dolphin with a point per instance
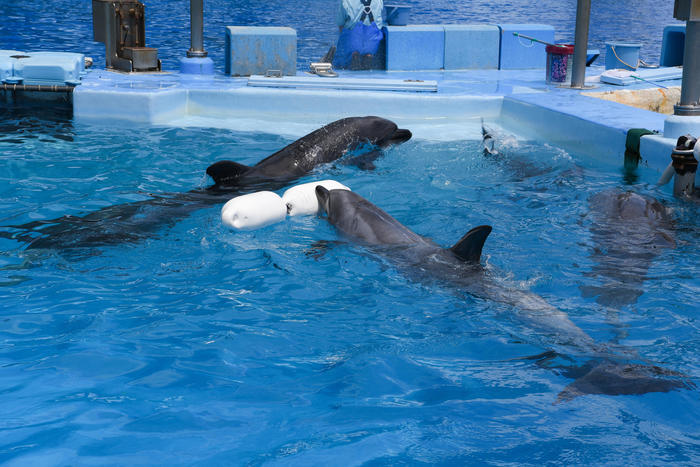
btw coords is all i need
(459, 265)
(517, 167)
(132, 222)
(629, 231)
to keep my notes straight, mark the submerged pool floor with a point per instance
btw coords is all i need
(291, 345)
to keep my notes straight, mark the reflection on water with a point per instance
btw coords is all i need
(167, 23)
(28, 121)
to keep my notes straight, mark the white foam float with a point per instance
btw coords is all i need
(301, 199)
(256, 210)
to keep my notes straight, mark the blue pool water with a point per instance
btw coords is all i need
(67, 25)
(290, 346)
(205, 346)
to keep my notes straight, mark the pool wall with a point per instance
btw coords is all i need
(518, 99)
(514, 93)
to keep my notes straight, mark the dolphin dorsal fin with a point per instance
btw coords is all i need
(224, 171)
(468, 248)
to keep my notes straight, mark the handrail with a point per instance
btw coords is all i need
(36, 87)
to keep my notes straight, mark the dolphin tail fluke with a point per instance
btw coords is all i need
(226, 171)
(615, 379)
(469, 247)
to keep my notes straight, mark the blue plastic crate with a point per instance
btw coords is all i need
(257, 50)
(415, 47)
(472, 46)
(673, 45)
(520, 53)
(50, 68)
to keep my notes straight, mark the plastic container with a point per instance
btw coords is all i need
(50, 68)
(559, 60)
(7, 66)
(621, 55)
(395, 15)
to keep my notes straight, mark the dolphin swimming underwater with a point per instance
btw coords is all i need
(135, 221)
(460, 266)
(629, 232)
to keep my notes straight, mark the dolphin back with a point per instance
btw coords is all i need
(361, 220)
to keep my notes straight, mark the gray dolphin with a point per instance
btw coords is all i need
(324, 145)
(131, 222)
(629, 231)
(460, 266)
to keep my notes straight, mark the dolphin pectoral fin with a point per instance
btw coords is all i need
(364, 161)
(469, 247)
(318, 249)
(225, 171)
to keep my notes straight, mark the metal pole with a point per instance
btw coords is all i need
(583, 18)
(197, 29)
(690, 87)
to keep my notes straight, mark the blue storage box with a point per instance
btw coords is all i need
(520, 53)
(50, 68)
(673, 45)
(415, 47)
(257, 50)
(472, 46)
(76, 58)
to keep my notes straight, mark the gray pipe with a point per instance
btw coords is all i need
(583, 19)
(690, 88)
(197, 29)
(684, 185)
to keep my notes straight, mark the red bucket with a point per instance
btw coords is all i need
(559, 59)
